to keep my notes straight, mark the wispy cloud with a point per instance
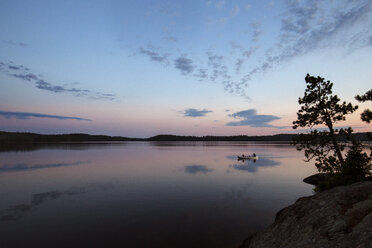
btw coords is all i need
(235, 45)
(184, 64)
(220, 22)
(27, 115)
(228, 15)
(310, 25)
(170, 11)
(256, 30)
(201, 74)
(238, 64)
(196, 113)
(24, 73)
(171, 38)
(251, 118)
(15, 43)
(244, 56)
(216, 63)
(218, 3)
(270, 4)
(214, 67)
(153, 54)
(304, 27)
(12, 67)
(235, 10)
(167, 9)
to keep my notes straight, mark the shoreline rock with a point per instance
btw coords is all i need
(340, 217)
(316, 178)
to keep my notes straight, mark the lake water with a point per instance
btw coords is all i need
(138, 194)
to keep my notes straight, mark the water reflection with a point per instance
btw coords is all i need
(17, 211)
(252, 166)
(26, 167)
(30, 146)
(196, 169)
(232, 157)
(156, 195)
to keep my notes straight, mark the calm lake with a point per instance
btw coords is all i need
(142, 194)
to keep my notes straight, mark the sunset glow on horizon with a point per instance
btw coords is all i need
(211, 67)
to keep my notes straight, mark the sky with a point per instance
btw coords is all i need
(142, 68)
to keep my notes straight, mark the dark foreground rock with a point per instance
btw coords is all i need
(316, 178)
(340, 217)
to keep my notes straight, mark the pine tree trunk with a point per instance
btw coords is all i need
(335, 145)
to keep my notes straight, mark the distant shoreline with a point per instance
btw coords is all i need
(17, 141)
(15, 137)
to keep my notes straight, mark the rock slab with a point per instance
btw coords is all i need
(340, 217)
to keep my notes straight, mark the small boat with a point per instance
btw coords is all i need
(247, 157)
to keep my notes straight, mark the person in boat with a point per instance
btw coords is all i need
(254, 155)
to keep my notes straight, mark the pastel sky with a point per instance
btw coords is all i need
(141, 68)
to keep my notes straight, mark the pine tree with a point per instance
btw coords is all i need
(320, 107)
(367, 114)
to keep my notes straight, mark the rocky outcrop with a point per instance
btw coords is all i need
(316, 178)
(340, 217)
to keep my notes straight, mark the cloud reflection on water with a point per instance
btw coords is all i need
(17, 211)
(252, 166)
(197, 169)
(26, 167)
